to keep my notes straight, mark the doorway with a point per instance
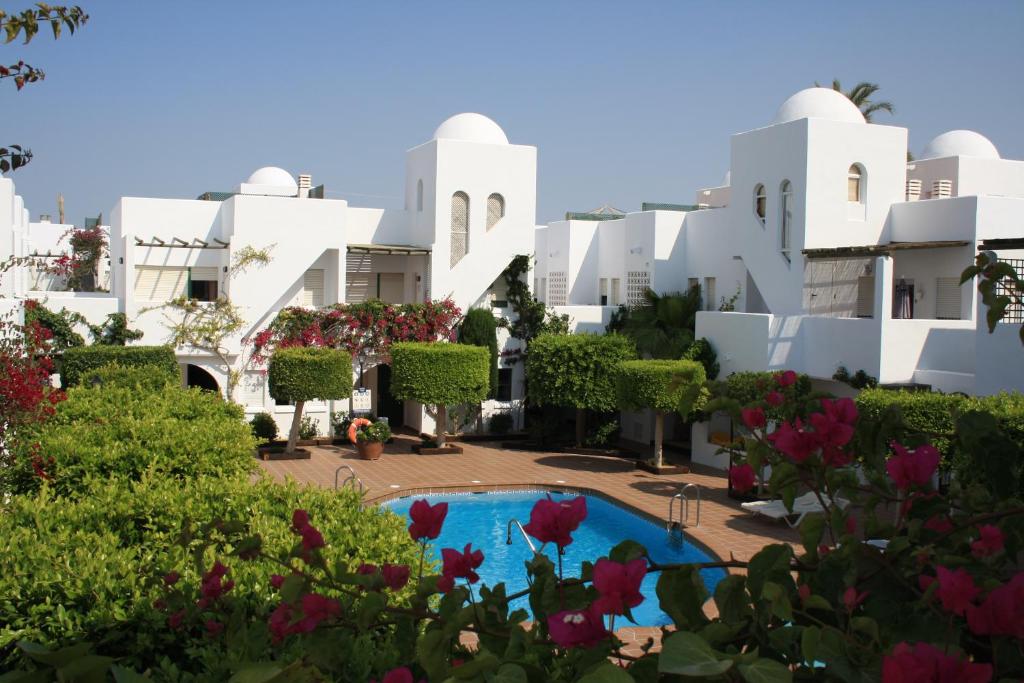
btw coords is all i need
(387, 405)
(198, 377)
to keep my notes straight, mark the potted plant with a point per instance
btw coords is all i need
(369, 437)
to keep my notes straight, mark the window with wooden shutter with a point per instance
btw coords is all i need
(866, 296)
(313, 288)
(947, 298)
(202, 283)
(159, 283)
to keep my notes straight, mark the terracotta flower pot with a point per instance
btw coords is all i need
(369, 450)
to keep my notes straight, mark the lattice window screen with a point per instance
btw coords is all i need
(947, 298)
(495, 209)
(460, 227)
(556, 289)
(1014, 312)
(637, 283)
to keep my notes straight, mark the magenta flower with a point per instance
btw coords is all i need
(956, 589)
(912, 468)
(924, 662)
(315, 609)
(1002, 612)
(276, 580)
(554, 522)
(742, 477)
(940, 524)
(989, 543)
(619, 585)
(171, 578)
(395, 576)
(753, 418)
(774, 399)
(792, 441)
(786, 379)
(577, 628)
(462, 565)
(427, 519)
(399, 675)
(851, 598)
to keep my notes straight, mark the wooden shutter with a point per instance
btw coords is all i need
(209, 274)
(357, 278)
(313, 288)
(947, 298)
(866, 296)
(159, 283)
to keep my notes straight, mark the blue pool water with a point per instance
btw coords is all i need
(483, 518)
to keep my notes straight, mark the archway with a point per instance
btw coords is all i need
(198, 377)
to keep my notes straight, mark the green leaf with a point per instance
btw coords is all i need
(810, 639)
(626, 551)
(688, 654)
(778, 599)
(606, 672)
(86, 669)
(56, 658)
(125, 675)
(770, 564)
(369, 609)
(681, 595)
(510, 673)
(292, 588)
(765, 671)
(482, 663)
(731, 598)
(811, 529)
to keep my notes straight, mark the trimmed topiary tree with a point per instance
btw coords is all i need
(303, 374)
(576, 371)
(663, 386)
(77, 362)
(440, 375)
(480, 329)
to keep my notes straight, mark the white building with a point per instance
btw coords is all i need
(837, 251)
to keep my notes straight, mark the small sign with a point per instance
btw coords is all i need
(361, 402)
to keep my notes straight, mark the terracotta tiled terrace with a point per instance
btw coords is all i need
(724, 528)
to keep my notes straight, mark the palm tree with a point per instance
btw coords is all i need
(663, 325)
(860, 95)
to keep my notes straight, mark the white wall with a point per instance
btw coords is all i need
(999, 359)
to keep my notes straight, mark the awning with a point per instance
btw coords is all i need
(398, 249)
(880, 249)
(1002, 243)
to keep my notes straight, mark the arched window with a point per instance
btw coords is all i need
(460, 226)
(495, 209)
(786, 211)
(760, 202)
(419, 194)
(855, 184)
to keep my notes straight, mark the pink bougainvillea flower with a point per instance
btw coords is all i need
(834, 427)
(312, 539)
(395, 576)
(315, 609)
(427, 519)
(399, 675)
(753, 418)
(366, 569)
(276, 580)
(577, 628)
(554, 521)
(786, 379)
(774, 399)
(171, 578)
(956, 589)
(794, 442)
(742, 477)
(851, 598)
(213, 627)
(940, 524)
(990, 541)
(619, 585)
(445, 583)
(300, 520)
(912, 468)
(213, 585)
(924, 663)
(174, 621)
(462, 565)
(850, 524)
(804, 591)
(1002, 611)
(279, 622)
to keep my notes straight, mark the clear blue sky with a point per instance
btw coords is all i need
(626, 101)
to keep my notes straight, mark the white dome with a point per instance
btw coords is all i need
(818, 103)
(960, 143)
(472, 128)
(272, 175)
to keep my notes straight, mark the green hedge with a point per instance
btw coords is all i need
(305, 374)
(145, 378)
(664, 385)
(77, 362)
(439, 373)
(121, 433)
(89, 570)
(480, 329)
(577, 370)
(750, 387)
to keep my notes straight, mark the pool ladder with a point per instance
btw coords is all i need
(508, 534)
(355, 481)
(675, 527)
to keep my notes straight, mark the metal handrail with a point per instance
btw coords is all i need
(351, 477)
(508, 535)
(684, 506)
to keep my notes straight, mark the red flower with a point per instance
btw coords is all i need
(171, 578)
(213, 586)
(174, 621)
(276, 580)
(851, 598)
(753, 418)
(395, 576)
(912, 468)
(786, 379)
(554, 521)
(280, 622)
(300, 520)
(367, 569)
(940, 524)
(213, 627)
(742, 477)
(399, 675)
(794, 442)
(774, 399)
(577, 628)
(462, 565)
(1002, 612)
(315, 609)
(924, 663)
(956, 590)
(619, 585)
(990, 541)
(427, 519)
(804, 591)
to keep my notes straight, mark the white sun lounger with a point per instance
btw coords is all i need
(802, 506)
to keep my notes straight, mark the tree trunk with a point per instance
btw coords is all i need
(293, 433)
(581, 425)
(659, 435)
(442, 425)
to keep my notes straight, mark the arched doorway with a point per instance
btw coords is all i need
(196, 376)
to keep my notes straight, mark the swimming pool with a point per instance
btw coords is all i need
(482, 518)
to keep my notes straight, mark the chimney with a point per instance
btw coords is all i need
(913, 189)
(305, 182)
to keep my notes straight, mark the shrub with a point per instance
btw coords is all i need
(77, 361)
(663, 386)
(61, 325)
(302, 374)
(99, 560)
(115, 432)
(702, 352)
(603, 434)
(440, 375)
(576, 371)
(264, 426)
(309, 428)
(373, 432)
(751, 387)
(144, 378)
(480, 329)
(500, 424)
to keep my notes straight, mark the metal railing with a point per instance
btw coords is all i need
(508, 535)
(350, 478)
(684, 509)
